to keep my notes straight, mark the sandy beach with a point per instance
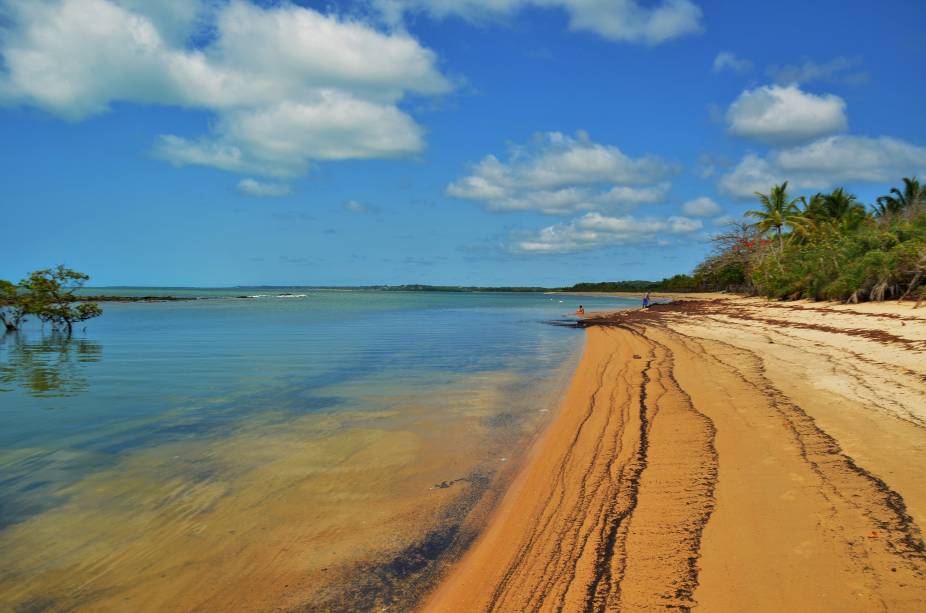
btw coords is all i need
(724, 454)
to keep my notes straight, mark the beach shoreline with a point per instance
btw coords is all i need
(711, 451)
(329, 454)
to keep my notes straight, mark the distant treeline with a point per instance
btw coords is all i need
(677, 283)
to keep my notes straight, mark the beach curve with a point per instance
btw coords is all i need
(725, 455)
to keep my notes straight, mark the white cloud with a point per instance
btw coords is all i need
(175, 20)
(785, 114)
(594, 230)
(356, 207)
(262, 189)
(701, 207)
(632, 21)
(288, 85)
(853, 158)
(281, 139)
(726, 60)
(827, 163)
(559, 174)
(180, 152)
(752, 174)
(723, 220)
(837, 70)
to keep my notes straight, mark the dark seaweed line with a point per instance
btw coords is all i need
(549, 577)
(597, 592)
(613, 491)
(712, 476)
(893, 501)
(907, 417)
(605, 554)
(878, 336)
(573, 521)
(559, 480)
(913, 550)
(844, 311)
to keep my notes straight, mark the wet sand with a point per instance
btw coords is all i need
(726, 455)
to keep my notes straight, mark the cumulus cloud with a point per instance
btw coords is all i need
(262, 189)
(826, 163)
(594, 230)
(355, 206)
(785, 114)
(288, 85)
(838, 70)
(631, 21)
(726, 60)
(701, 207)
(559, 174)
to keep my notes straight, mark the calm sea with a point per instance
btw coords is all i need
(301, 448)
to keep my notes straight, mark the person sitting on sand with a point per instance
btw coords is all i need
(580, 310)
(646, 300)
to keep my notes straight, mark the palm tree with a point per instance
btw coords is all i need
(814, 207)
(810, 217)
(843, 209)
(777, 211)
(913, 195)
(839, 203)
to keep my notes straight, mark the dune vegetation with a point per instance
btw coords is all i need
(824, 247)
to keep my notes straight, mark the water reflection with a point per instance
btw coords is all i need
(52, 366)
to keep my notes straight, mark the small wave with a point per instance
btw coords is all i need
(292, 296)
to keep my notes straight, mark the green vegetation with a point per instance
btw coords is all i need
(777, 211)
(678, 283)
(47, 295)
(824, 247)
(614, 286)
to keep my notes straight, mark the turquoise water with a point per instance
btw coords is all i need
(184, 393)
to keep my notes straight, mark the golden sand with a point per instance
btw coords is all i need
(724, 455)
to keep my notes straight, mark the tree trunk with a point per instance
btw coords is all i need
(912, 286)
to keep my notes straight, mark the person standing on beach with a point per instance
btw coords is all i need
(646, 300)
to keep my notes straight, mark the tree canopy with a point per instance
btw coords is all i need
(897, 202)
(825, 246)
(49, 296)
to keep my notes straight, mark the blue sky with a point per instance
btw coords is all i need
(485, 142)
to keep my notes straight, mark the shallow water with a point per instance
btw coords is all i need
(332, 449)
